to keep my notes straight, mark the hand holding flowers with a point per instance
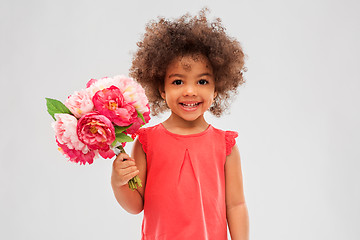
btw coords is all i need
(97, 120)
(123, 170)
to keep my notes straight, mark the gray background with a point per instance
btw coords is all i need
(297, 115)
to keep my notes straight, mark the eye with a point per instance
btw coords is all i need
(177, 82)
(203, 82)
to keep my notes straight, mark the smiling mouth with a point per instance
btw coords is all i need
(190, 105)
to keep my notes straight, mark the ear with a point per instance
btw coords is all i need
(162, 92)
(215, 94)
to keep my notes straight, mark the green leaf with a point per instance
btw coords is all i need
(141, 116)
(55, 106)
(119, 129)
(120, 138)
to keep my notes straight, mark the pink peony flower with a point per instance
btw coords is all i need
(132, 92)
(110, 103)
(95, 85)
(65, 132)
(138, 123)
(79, 103)
(107, 154)
(96, 131)
(76, 155)
(68, 141)
(90, 82)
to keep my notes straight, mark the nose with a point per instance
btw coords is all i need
(189, 90)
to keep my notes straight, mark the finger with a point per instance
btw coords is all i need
(130, 175)
(125, 171)
(127, 164)
(119, 164)
(123, 156)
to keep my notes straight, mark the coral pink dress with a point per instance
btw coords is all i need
(185, 184)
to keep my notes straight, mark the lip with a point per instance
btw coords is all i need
(190, 105)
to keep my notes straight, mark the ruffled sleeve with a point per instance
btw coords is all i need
(230, 140)
(143, 138)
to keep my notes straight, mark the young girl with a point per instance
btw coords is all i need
(191, 172)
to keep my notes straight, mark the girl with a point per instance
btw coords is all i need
(191, 172)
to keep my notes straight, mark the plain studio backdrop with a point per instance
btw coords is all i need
(297, 115)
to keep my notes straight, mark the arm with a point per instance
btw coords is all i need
(122, 172)
(236, 209)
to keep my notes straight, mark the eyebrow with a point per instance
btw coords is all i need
(182, 76)
(176, 75)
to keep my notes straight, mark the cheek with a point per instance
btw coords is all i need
(211, 93)
(170, 96)
(210, 97)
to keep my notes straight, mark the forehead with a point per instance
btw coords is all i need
(189, 63)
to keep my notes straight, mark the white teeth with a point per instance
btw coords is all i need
(190, 105)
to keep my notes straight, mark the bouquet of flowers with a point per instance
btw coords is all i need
(100, 119)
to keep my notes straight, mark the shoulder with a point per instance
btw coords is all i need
(146, 130)
(225, 132)
(143, 135)
(229, 137)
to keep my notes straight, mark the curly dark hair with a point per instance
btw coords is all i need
(164, 40)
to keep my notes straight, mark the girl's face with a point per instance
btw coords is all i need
(189, 87)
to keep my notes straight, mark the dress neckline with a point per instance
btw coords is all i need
(186, 135)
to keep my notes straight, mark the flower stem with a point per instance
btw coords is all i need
(135, 182)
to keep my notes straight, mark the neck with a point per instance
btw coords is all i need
(178, 125)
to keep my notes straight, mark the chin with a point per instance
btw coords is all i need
(191, 118)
